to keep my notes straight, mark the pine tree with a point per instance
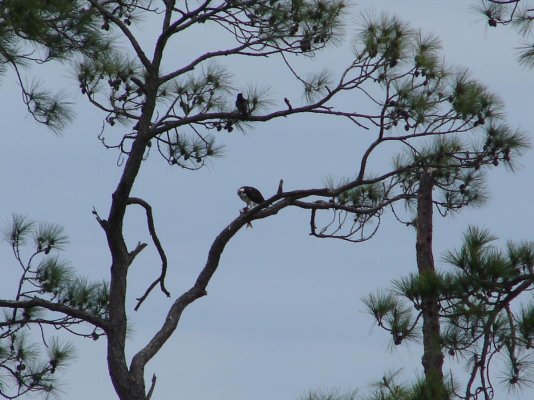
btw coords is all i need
(474, 311)
(441, 120)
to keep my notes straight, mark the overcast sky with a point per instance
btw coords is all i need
(284, 312)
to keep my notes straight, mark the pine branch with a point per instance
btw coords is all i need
(60, 308)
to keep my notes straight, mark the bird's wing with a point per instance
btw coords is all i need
(255, 195)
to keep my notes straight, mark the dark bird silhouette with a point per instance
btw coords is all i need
(242, 104)
(305, 44)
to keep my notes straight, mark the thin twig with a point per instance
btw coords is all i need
(152, 386)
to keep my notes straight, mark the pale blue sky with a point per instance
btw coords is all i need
(283, 314)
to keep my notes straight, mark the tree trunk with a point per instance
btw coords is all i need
(128, 385)
(432, 356)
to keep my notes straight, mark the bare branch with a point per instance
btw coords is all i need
(159, 247)
(152, 386)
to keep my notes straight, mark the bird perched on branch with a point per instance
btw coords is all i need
(242, 105)
(251, 196)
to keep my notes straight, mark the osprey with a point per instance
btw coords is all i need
(250, 195)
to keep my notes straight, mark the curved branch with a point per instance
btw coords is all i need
(159, 247)
(197, 291)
